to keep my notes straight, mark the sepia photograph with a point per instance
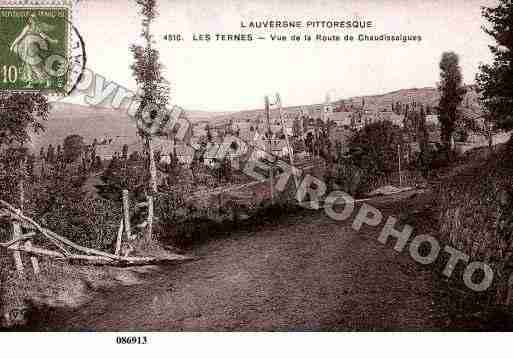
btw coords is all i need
(255, 166)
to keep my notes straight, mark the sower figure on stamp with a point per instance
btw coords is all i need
(32, 39)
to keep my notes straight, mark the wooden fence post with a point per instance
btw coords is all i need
(149, 220)
(16, 234)
(126, 214)
(269, 134)
(119, 238)
(33, 259)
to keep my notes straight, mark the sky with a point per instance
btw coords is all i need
(230, 76)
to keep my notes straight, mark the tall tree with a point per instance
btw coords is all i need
(21, 114)
(124, 152)
(495, 81)
(422, 136)
(154, 92)
(209, 134)
(452, 92)
(73, 147)
(50, 154)
(296, 128)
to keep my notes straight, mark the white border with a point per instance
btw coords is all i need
(259, 345)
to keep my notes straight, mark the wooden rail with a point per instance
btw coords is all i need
(65, 249)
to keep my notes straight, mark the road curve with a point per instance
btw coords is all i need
(306, 273)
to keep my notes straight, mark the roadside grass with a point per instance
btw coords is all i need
(58, 284)
(461, 210)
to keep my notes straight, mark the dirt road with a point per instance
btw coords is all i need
(307, 273)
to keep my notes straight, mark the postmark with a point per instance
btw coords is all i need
(36, 47)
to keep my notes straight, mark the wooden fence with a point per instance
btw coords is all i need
(24, 229)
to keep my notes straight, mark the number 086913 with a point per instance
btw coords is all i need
(132, 340)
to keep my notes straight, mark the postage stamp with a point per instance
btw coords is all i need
(35, 46)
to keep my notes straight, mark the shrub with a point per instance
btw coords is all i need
(374, 148)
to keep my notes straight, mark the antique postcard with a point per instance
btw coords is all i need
(255, 166)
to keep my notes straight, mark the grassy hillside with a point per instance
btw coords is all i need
(95, 122)
(426, 95)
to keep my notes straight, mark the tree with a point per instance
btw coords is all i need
(209, 133)
(415, 127)
(73, 146)
(296, 128)
(171, 169)
(223, 170)
(19, 113)
(422, 132)
(309, 143)
(422, 135)
(31, 160)
(50, 154)
(124, 152)
(147, 71)
(374, 148)
(495, 81)
(120, 175)
(305, 124)
(451, 94)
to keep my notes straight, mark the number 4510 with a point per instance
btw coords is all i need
(10, 74)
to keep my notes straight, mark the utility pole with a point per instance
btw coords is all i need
(268, 119)
(399, 158)
(289, 147)
(302, 121)
(326, 108)
(316, 138)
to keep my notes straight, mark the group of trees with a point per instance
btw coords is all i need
(54, 194)
(20, 114)
(318, 142)
(373, 146)
(72, 151)
(494, 81)
(372, 153)
(23, 114)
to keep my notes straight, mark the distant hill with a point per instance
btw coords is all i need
(106, 123)
(426, 95)
(96, 122)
